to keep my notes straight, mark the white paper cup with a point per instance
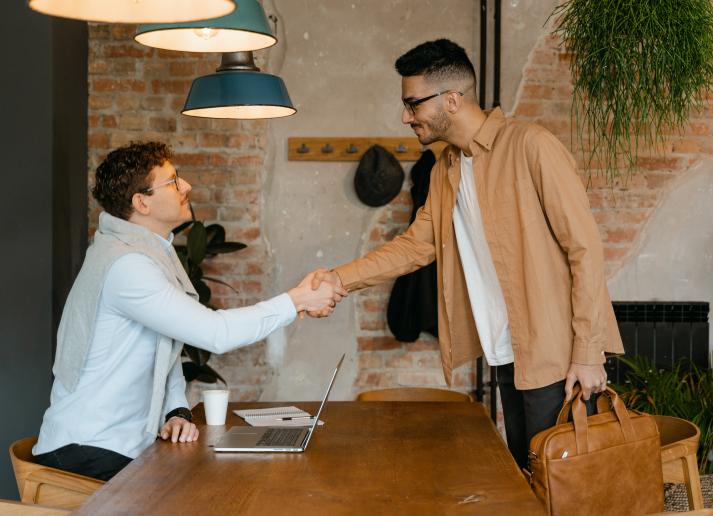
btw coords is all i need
(215, 404)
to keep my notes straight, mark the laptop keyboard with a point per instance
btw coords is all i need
(280, 437)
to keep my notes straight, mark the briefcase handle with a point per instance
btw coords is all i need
(604, 404)
(579, 416)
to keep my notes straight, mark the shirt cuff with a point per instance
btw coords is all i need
(347, 275)
(284, 307)
(587, 356)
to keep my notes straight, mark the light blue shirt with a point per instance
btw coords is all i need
(110, 405)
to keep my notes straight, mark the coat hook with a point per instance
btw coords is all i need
(401, 148)
(352, 149)
(327, 149)
(303, 149)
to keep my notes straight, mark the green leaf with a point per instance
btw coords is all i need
(197, 355)
(182, 227)
(203, 290)
(196, 243)
(216, 280)
(225, 247)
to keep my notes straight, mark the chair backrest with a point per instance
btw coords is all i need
(674, 429)
(414, 394)
(39, 484)
(12, 508)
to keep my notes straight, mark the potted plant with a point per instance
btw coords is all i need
(202, 242)
(638, 67)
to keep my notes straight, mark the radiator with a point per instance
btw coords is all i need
(664, 332)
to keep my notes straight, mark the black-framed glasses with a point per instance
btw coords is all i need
(412, 104)
(172, 181)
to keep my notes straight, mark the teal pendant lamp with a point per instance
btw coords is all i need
(246, 28)
(238, 90)
(134, 11)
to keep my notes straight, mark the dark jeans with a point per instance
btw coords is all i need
(527, 412)
(85, 460)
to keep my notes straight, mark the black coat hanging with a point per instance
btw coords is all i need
(413, 306)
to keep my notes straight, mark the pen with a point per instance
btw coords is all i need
(294, 417)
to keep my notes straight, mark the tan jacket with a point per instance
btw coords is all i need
(545, 246)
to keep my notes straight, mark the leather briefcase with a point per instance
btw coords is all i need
(605, 464)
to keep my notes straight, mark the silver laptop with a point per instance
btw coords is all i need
(272, 438)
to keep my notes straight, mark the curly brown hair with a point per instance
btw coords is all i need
(126, 171)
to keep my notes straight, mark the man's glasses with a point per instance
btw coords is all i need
(173, 181)
(411, 105)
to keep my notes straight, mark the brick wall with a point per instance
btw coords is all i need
(136, 93)
(383, 361)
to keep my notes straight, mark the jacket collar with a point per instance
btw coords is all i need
(485, 135)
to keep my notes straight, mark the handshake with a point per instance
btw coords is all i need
(318, 293)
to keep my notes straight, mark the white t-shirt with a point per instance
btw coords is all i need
(484, 291)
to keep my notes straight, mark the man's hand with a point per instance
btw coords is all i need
(319, 277)
(320, 300)
(179, 430)
(591, 378)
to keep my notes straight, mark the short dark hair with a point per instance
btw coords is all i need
(440, 59)
(126, 171)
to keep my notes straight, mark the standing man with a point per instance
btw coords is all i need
(118, 376)
(519, 258)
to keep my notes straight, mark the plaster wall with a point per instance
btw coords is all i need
(338, 66)
(674, 261)
(522, 24)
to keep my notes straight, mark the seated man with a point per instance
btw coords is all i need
(118, 375)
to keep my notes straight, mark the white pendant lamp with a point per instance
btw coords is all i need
(134, 11)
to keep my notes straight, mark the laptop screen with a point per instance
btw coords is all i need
(324, 400)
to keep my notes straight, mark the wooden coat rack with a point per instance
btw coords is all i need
(352, 149)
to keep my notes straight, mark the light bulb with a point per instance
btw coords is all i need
(205, 33)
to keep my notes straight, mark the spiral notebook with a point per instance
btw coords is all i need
(273, 416)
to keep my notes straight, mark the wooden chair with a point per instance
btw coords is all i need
(39, 484)
(679, 444)
(11, 508)
(413, 394)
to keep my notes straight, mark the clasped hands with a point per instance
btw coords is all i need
(318, 293)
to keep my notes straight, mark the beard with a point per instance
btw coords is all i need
(437, 128)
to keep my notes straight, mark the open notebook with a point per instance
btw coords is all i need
(273, 416)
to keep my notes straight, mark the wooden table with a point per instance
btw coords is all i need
(369, 458)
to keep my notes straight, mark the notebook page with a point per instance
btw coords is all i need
(272, 416)
(271, 412)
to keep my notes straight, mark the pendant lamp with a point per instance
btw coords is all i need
(238, 90)
(246, 28)
(134, 11)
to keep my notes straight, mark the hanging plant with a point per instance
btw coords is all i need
(639, 67)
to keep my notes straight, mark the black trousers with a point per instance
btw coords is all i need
(527, 412)
(89, 461)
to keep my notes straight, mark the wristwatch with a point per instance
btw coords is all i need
(180, 412)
